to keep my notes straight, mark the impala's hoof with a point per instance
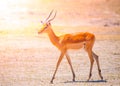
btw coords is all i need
(73, 80)
(51, 82)
(88, 80)
(101, 78)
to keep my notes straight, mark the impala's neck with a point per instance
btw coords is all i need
(53, 38)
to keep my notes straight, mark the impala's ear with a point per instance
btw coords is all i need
(41, 22)
(49, 23)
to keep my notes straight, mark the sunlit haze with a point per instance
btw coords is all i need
(21, 14)
(18, 14)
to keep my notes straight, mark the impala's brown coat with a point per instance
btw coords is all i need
(71, 41)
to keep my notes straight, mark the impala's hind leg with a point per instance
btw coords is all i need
(97, 61)
(69, 61)
(91, 63)
(88, 47)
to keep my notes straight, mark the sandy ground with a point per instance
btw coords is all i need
(31, 61)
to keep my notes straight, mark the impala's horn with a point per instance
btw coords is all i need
(53, 17)
(49, 15)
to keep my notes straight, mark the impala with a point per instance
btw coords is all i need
(71, 41)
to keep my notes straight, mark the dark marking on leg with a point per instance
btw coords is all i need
(99, 70)
(84, 45)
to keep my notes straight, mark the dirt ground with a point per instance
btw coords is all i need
(31, 61)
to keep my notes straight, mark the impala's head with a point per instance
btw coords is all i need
(46, 25)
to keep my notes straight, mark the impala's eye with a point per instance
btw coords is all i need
(45, 27)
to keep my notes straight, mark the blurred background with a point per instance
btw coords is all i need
(29, 59)
(26, 14)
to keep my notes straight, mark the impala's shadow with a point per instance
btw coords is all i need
(92, 81)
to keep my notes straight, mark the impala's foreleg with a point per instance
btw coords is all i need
(97, 61)
(69, 61)
(58, 63)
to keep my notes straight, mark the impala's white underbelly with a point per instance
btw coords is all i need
(76, 45)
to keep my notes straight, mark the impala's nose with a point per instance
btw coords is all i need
(40, 31)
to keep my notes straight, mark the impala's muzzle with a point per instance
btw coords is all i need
(39, 32)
